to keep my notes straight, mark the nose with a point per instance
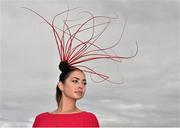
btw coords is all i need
(81, 85)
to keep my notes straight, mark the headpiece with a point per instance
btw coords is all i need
(73, 51)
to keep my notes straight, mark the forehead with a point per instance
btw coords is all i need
(78, 74)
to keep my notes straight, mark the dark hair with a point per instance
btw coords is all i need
(66, 70)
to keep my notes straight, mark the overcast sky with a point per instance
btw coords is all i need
(150, 93)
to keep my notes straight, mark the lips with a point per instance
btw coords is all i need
(80, 92)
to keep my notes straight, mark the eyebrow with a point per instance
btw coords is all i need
(79, 78)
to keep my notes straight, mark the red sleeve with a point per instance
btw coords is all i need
(36, 122)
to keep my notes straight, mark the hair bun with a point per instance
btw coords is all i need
(64, 66)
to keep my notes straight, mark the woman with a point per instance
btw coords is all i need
(71, 87)
(72, 52)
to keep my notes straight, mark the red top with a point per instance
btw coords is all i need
(81, 119)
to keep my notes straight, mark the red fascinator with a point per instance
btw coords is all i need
(74, 51)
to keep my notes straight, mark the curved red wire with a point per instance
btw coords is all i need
(80, 52)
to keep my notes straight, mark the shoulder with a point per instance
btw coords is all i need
(41, 115)
(40, 119)
(92, 119)
(91, 116)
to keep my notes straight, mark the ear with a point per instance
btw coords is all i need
(61, 86)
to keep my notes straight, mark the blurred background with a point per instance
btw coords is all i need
(149, 96)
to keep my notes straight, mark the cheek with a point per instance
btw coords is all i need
(68, 88)
(84, 89)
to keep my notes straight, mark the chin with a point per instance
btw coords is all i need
(78, 98)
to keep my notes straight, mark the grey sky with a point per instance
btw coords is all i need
(150, 93)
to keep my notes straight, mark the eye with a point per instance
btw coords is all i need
(85, 83)
(75, 81)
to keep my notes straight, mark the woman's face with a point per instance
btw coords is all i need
(75, 85)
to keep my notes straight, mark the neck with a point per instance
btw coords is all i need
(67, 105)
